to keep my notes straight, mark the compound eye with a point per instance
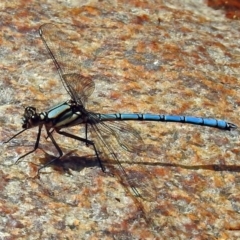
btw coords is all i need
(30, 117)
(30, 111)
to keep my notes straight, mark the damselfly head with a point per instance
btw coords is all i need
(30, 117)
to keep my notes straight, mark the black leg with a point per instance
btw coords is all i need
(36, 144)
(15, 135)
(88, 142)
(49, 134)
(86, 131)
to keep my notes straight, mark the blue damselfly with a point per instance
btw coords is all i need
(73, 112)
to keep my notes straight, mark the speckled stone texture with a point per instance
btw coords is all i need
(231, 7)
(163, 57)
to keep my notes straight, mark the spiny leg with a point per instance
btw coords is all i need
(88, 142)
(56, 146)
(36, 144)
(15, 136)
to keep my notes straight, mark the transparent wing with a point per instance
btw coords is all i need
(107, 136)
(80, 87)
(127, 137)
(62, 51)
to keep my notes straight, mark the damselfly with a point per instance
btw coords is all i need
(73, 112)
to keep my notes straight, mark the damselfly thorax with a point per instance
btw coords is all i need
(64, 115)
